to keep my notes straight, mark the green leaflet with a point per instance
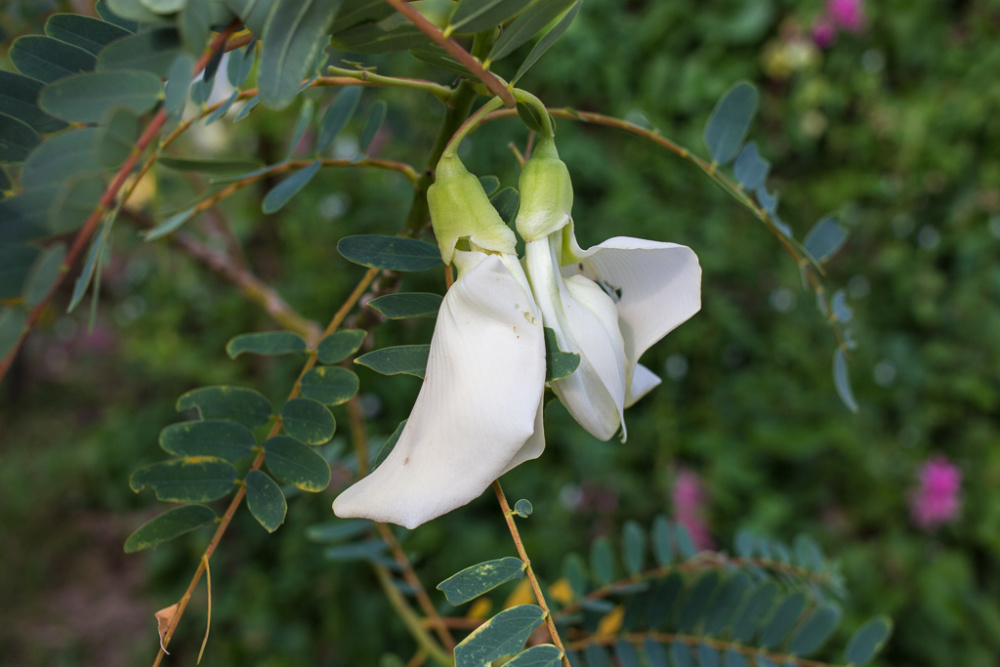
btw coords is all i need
(294, 34)
(475, 580)
(265, 500)
(169, 525)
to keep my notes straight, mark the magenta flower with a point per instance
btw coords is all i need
(689, 500)
(846, 14)
(936, 501)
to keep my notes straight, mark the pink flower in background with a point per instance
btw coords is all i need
(838, 15)
(846, 14)
(689, 506)
(936, 500)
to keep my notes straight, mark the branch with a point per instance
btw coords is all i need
(490, 80)
(108, 198)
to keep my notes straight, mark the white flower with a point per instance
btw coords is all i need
(479, 411)
(608, 304)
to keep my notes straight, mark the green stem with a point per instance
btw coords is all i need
(443, 93)
(524, 97)
(413, 624)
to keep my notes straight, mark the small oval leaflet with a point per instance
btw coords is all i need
(475, 580)
(575, 572)
(191, 480)
(369, 550)
(296, 32)
(294, 463)
(399, 360)
(682, 538)
(339, 345)
(626, 654)
(504, 634)
(812, 634)
(602, 561)
(390, 253)
(867, 641)
(842, 380)
(233, 165)
(751, 169)
(15, 262)
(407, 304)
(43, 274)
(170, 225)
(372, 125)
(84, 32)
(61, 158)
(267, 343)
(388, 446)
(178, 82)
(477, 15)
(169, 525)
(708, 656)
(16, 139)
(558, 364)
(597, 656)
(730, 121)
(523, 508)
(783, 620)
(726, 603)
(825, 239)
(542, 655)
(662, 549)
(664, 599)
(681, 655)
(265, 500)
(308, 420)
(212, 437)
(526, 26)
(19, 100)
(655, 653)
(330, 385)
(695, 605)
(282, 193)
(240, 404)
(808, 553)
(753, 610)
(47, 59)
(336, 531)
(152, 51)
(547, 40)
(735, 659)
(337, 116)
(85, 98)
(633, 547)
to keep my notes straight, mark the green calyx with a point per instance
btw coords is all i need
(546, 193)
(460, 209)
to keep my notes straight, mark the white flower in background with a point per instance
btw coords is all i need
(608, 304)
(479, 411)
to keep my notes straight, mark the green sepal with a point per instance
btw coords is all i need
(460, 209)
(546, 193)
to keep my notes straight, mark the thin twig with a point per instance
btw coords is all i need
(529, 571)
(258, 461)
(490, 80)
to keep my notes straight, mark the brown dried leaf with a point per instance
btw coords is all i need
(163, 619)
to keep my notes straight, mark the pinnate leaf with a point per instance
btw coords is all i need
(283, 192)
(867, 641)
(294, 34)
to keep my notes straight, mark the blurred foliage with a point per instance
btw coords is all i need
(895, 129)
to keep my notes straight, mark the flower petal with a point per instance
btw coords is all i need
(660, 285)
(477, 410)
(585, 322)
(643, 382)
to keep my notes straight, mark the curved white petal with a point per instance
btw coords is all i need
(585, 321)
(477, 410)
(535, 445)
(660, 285)
(643, 382)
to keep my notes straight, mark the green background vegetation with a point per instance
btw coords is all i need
(895, 129)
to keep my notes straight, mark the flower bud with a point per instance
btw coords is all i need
(460, 209)
(546, 193)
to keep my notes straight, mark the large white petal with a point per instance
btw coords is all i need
(660, 285)
(477, 409)
(585, 322)
(643, 382)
